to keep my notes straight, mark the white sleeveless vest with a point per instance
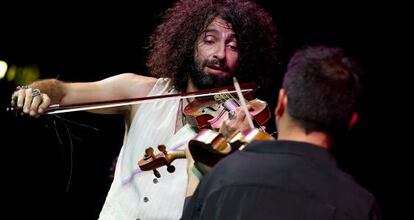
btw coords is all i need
(134, 194)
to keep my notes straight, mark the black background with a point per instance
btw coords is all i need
(77, 42)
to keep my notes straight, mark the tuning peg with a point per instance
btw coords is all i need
(149, 153)
(156, 173)
(170, 168)
(162, 148)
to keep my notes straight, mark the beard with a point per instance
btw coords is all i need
(204, 80)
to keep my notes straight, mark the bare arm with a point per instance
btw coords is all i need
(123, 86)
(53, 91)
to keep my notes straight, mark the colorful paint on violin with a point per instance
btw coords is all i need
(210, 113)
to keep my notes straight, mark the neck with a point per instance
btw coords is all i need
(191, 87)
(293, 132)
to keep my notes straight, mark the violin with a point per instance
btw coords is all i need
(211, 112)
(207, 148)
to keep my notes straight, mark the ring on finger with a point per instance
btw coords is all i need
(36, 92)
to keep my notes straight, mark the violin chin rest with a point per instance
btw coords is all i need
(205, 154)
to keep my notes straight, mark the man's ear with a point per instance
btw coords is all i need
(354, 119)
(281, 104)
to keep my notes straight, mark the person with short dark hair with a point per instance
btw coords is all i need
(294, 177)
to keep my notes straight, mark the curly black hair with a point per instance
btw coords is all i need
(172, 44)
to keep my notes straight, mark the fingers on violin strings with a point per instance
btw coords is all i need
(227, 128)
(226, 124)
(232, 115)
(240, 115)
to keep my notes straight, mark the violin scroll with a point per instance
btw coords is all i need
(152, 161)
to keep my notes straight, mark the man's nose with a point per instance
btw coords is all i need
(220, 52)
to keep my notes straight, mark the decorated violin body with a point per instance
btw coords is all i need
(210, 113)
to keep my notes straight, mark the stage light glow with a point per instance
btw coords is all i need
(3, 69)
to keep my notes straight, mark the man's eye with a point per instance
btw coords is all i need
(209, 39)
(233, 47)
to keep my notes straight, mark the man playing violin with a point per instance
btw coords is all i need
(199, 45)
(294, 177)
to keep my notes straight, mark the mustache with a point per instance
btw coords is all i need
(216, 63)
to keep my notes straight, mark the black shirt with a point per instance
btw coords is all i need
(280, 180)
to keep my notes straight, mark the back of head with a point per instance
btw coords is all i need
(323, 87)
(172, 45)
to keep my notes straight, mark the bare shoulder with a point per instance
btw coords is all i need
(141, 84)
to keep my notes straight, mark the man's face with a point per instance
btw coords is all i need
(216, 56)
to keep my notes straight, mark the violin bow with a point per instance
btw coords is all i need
(243, 102)
(56, 108)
